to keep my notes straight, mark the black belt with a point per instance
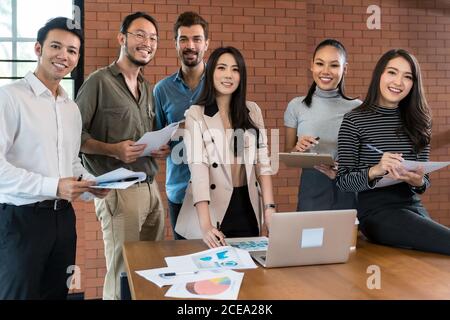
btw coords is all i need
(148, 180)
(56, 205)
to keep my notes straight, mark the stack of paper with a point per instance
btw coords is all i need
(119, 179)
(206, 274)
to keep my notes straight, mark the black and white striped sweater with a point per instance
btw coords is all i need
(381, 128)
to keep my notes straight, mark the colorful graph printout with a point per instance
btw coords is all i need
(249, 244)
(225, 257)
(224, 284)
(209, 287)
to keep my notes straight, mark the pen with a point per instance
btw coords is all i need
(218, 228)
(317, 140)
(80, 177)
(371, 147)
(174, 274)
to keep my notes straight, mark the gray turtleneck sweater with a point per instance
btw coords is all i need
(322, 119)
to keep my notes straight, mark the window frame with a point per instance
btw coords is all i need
(77, 75)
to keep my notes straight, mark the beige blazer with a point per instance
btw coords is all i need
(208, 155)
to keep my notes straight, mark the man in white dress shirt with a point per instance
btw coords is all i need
(40, 171)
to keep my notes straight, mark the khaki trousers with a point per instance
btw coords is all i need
(133, 214)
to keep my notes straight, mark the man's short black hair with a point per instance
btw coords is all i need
(189, 19)
(61, 23)
(131, 17)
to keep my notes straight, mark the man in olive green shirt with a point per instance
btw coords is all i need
(116, 105)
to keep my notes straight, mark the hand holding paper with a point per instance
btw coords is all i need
(154, 140)
(413, 166)
(119, 179)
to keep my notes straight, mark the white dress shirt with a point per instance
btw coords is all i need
(39, 141)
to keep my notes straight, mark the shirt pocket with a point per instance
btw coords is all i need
(150, 119)
(118, 124)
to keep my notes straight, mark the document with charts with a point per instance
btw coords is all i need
(249, 244)
(223, 285)
(225, 257)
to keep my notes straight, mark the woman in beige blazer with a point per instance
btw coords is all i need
(230, 192)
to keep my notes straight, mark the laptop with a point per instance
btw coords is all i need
(308, 238)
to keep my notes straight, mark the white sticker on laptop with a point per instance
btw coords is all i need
(312, 238)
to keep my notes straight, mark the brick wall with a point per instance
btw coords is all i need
(277, 39)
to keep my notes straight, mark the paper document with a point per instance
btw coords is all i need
(222, 285)
(226, 257)
(119, 179)
(412, 165)
(168, 276)
(155, 139)
(249, 244)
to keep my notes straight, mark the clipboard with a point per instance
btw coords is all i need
(305, 159)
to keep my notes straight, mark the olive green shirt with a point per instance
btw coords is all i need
(111, 114)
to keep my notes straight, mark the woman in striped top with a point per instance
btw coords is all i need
(393, 124)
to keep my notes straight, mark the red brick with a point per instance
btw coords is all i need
(275, 29)
(254, 12)
(108, 16)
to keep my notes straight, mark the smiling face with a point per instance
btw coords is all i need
(395, 83)
(191, 45)
(139, 44)
(57, 56)
(226, 75)
(328, 67)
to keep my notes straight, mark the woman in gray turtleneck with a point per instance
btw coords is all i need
(320, 114)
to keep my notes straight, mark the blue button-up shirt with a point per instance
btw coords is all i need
(172, 98)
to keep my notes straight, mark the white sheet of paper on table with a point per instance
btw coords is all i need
(156, 276)
(223, 285)
(412, 165)
(225, 257)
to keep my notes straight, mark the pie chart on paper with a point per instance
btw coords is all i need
(209, 287)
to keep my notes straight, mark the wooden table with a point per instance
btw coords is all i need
(405, 274)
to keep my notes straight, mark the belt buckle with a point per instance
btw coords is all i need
(55, 205)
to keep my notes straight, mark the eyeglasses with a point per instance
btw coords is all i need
(142, 36)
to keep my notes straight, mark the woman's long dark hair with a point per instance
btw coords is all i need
(239, 113)
(341, 85)
(414, 110)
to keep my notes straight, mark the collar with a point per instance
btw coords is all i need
(211, 109)
(384, 110)
(179, 74)
(115, 70)
(327, 93)
(39, 88)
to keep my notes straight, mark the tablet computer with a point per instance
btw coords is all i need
(305, 159)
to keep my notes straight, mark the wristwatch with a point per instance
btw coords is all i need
(270, 205)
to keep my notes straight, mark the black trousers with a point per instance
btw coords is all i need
(395, 216)
(240, 219)
(37, 247)
(174, 211)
